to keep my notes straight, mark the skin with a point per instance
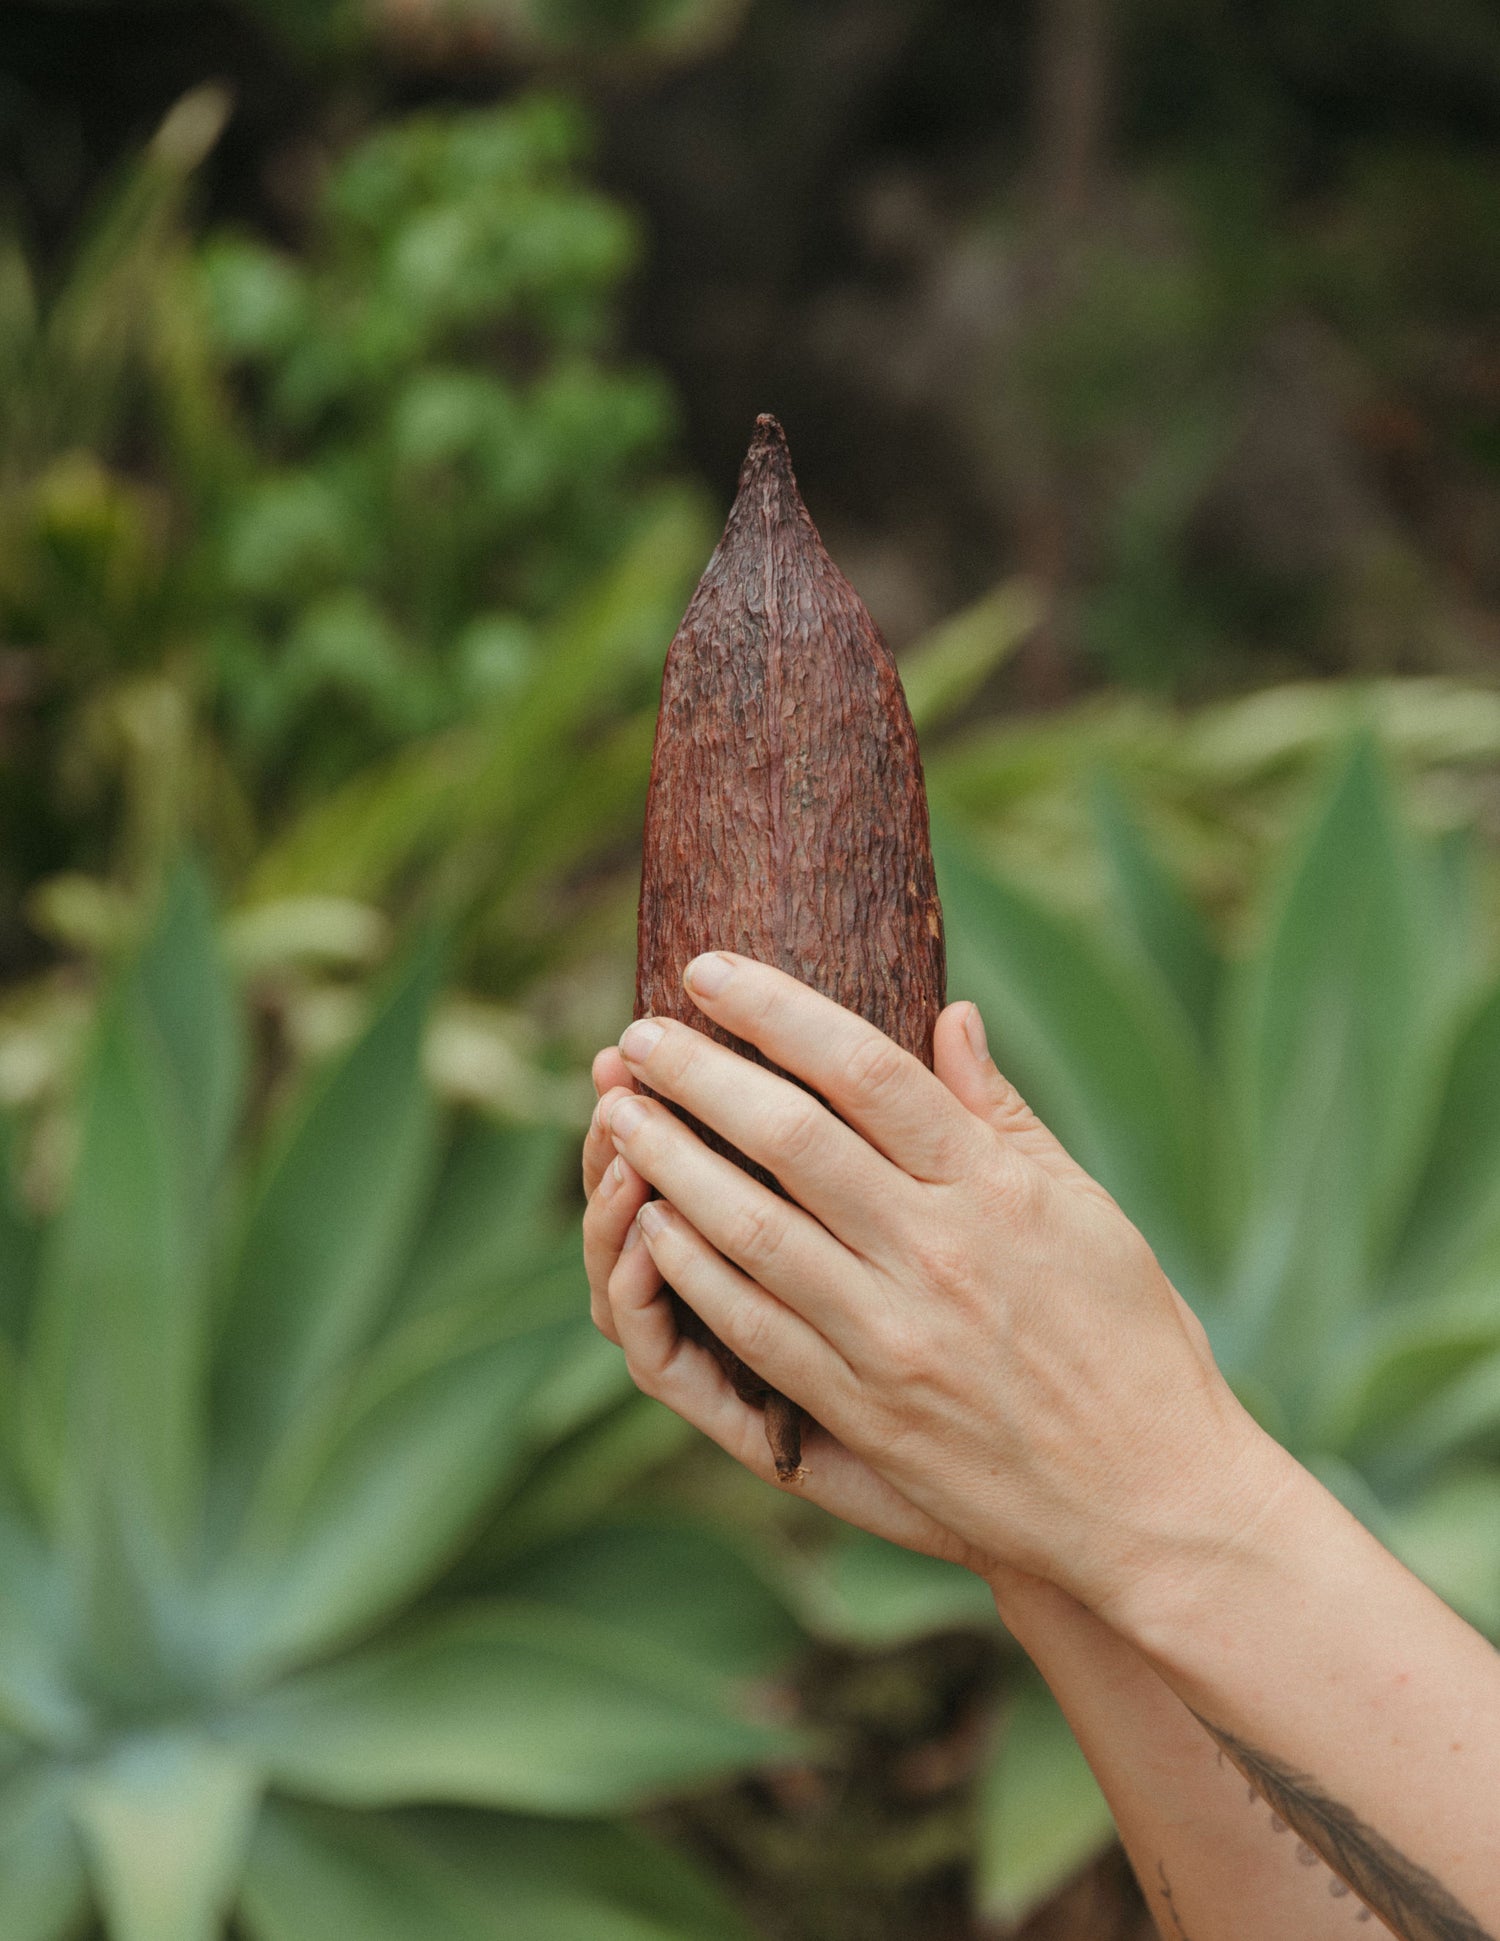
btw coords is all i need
(1293, 1733)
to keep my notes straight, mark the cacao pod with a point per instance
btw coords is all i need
(786, 817)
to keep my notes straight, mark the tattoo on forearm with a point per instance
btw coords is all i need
(1405, 1896)
(1166, 1894)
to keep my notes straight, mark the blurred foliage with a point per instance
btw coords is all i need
(287, 1384)
(1308, 1133)
(263, 519)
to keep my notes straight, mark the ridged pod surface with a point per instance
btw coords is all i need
(786, 817)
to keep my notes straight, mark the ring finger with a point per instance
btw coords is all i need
(773, 1240)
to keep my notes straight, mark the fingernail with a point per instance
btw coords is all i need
(708, 975)
(632, 1238)
(652, 1216)
(614, 1176)
(626, 1116)
(974, 1025)
(639, 1040)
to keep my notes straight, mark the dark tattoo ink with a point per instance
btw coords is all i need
(1411, 1901)
(1166, 1894)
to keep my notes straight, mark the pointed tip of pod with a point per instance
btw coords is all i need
(767, 478)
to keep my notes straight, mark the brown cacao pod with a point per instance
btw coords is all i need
(786, 817)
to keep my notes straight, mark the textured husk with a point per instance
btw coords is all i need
(786, 817)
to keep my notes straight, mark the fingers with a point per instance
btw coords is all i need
(827, 1168)
(765, 1333)
(678, 1372)
(612, 1207)
(962, 1062)
(774, 1242)
(890, 1097)
(598, 1147)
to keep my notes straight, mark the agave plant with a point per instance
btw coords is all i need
(1309, 1135)
(311, 1614)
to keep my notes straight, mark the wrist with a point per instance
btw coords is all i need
(1224, 1525)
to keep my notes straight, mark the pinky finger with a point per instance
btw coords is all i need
(676, 1371)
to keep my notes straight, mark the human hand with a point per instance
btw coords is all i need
(992, 1354)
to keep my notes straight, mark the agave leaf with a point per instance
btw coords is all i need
(664, 1578)
(43, 1883)
(1334, 1023)
(165, 1820)
(1455, 1208)
(368, 1498)
(1461, 1415)
(502, 1705)
(577, 1478)
(1409, 1363)
(1097, 1047)
(493, 1212)
(870, 1593)
(943, 671)
(36, 1698)
(315, 1872)
(118, 1335)
(331, 1220)
(1163, 925)
(19, 1242)
(184, 990)
(1449, 1534)
(1042, 1816)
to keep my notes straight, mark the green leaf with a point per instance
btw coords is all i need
(492, 1215)
(331, 1220)
(1042, 1816)
(943, 671)
(1097, 1048)
(181, 982)
(43, 1885)
(165, 1821)
(1455, 1208)
(501, 1705)
(668, 1581)
(20, 1242)
(1449, 1534)
(315, 1872)
(1331, 1063)
(870, 1593)
(1163, 925)
(118, 1337)
(575, 1480)
(380, 1484)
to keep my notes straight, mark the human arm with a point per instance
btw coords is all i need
(1003, 1375)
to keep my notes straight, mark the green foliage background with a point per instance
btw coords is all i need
(368, 400)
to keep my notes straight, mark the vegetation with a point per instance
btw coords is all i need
(262, 1390)
(343, 523)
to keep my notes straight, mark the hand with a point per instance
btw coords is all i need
(971, 1320)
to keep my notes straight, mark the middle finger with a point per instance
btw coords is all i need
(771, 1239)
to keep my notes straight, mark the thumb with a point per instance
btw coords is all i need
(961, 1059)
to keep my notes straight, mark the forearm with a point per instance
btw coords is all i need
(1214, 1862)
(1363, 1709)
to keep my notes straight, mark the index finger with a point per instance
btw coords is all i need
(875, 1085)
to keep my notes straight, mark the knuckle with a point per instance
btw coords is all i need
(944, 1263)
(751, 1331)
(876, 1065)
(798, 1128)
(755, 1232)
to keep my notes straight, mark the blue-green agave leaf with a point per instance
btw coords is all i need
(118, 1339)
(315, 1872)
(869, 1593)
(1335, 1021)
(666, 1580)
(369, 1498)
(1161, 922)
(165, 1820)
(19, 1241)
(534, 1709)
(1097, 1047)
(43, 1881)
(1042, 1816)
(333, 1216)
